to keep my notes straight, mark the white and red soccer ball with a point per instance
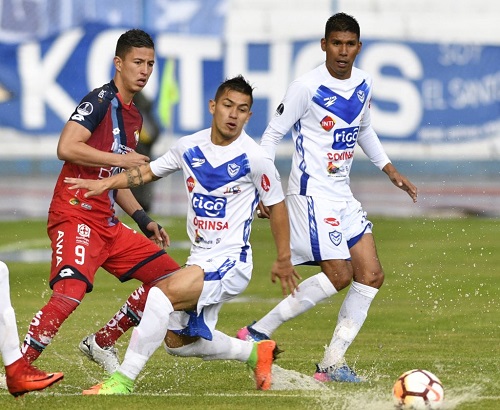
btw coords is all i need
(418, 390)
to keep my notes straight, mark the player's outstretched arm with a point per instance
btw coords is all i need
(73, 147)
(129, 178)
(400, 181)
(282, 267)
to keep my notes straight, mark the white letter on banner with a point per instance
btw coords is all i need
(269, 84)
(191, 51)
(400, 91)
(39, 79)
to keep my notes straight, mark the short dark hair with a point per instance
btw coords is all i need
(237, 83)
(133, 38)
(342, 22)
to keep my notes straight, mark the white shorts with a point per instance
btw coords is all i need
(225, 278)
(322, 230)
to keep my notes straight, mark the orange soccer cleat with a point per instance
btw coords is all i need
(266, 351)
(22, 378)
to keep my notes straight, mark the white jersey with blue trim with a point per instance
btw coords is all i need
(327, 117)
(224, 185)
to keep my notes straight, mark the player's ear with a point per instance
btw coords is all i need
(118, 63)
(249, 115)
(211, 106)
(323, 44)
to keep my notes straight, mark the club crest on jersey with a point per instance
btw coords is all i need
(327, 123)
(233, 169)
(136, 136)
(336, 237)
(361, 96)
(83, 230)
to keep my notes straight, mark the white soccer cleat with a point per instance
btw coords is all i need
(106, 357)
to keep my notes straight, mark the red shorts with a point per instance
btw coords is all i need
(81, 247)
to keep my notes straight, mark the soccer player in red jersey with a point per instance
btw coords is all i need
(99, 140)
(20, 376)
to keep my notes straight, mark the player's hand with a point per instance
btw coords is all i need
(94, 187)
(285, 272)
(133, 159)
(405, 184)
(400, 181)
(263, 211)
(160, 236)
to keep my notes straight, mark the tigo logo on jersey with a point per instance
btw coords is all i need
(265, 183)
(190, 183)
(209, 206)
(345, 138)
(327, 123)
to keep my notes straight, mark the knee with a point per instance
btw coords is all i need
(374, 278)
(67, 294)
(340, 277)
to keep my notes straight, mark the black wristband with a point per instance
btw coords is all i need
(142, 220)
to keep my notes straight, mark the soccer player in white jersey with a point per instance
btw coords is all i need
(20, 376)
(328, 110)
(226, 174)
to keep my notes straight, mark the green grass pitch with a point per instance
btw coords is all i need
(439, 310)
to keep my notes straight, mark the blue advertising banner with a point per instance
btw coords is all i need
(423, 93)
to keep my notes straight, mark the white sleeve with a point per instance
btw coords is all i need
(293, 106)
(370, 144)
(266, 179)
(270, 140)
(168, 163)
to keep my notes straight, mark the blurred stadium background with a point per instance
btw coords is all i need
(436, 103)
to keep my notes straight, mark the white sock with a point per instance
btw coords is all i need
(221, 347)
(352, 315)
(311, 291)
(9, 337)
(149, 334)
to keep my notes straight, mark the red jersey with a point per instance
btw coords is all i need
(115, 127)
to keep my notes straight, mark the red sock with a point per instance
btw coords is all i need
(45, 325)
(129, 315)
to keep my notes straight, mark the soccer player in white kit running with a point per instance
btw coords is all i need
(328, 112)
(226, 174)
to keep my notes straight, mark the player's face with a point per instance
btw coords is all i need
(133, 71)
(341, 48)
(230, 114)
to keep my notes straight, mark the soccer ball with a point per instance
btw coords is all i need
(418, 389)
